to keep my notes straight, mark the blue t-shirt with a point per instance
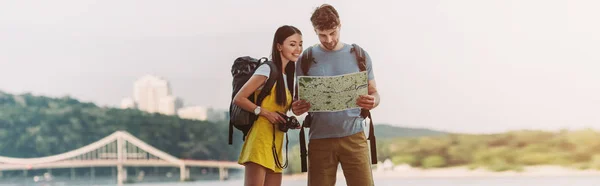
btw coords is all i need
(333, 63)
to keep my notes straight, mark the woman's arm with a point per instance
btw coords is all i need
(241, 99)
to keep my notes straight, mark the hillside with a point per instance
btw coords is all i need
(35, 126)
(384, 131)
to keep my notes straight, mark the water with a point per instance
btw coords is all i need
(495, 181)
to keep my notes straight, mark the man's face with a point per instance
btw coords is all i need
(329, 38)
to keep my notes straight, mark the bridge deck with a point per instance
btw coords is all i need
(113, 163)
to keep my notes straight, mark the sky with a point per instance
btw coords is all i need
(459, 66)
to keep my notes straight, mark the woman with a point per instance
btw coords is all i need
(257, 155)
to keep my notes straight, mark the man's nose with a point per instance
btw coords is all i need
(329, 38)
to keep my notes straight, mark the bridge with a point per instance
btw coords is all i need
(119, 150)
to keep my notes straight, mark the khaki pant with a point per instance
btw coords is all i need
(324, 156)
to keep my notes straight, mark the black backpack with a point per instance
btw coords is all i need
(305, 62)
(242, 69)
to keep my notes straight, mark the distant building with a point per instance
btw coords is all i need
(153, 94)
(128, 103)
(194, 112)
(169, 105)
(148, 92)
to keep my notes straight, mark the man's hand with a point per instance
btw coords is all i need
(366, 102)
(300, 107)
(369, 102)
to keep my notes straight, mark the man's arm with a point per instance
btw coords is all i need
(370, 101)
(373, 92)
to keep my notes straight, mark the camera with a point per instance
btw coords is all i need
(290, 122)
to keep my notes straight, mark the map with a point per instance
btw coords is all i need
(332, 93)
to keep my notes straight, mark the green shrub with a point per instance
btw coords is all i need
(433, 161)
(405, 159)
(535, 158)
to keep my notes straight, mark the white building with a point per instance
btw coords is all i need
(169, 105)
(128, 103)
(153, 94)
(148, 91)
(194, 112)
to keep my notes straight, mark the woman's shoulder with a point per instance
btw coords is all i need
(263, 70)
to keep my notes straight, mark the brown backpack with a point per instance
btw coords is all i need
(305, 62)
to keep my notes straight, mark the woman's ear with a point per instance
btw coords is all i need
(279, 47)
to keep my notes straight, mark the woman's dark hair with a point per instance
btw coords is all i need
(281, 34)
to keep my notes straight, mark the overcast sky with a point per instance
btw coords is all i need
(463, 66)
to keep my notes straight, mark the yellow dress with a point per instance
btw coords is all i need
(258, 145)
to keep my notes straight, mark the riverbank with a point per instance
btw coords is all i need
(465, 172)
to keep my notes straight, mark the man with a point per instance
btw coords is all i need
(336, 137)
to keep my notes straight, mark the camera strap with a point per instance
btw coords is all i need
(275, 155)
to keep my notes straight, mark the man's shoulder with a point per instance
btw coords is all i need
(349, 47)
(358, 45)
(311, 47)
(364, 51)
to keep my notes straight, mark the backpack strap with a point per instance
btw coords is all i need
(307, 60)
(371, 139)
(362, 65)
(361, 59)
(230, 129)
(303, 150)
(273, 76)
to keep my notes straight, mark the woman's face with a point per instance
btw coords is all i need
(291, 47)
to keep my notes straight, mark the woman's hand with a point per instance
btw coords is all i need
(273, 117)
(300, 107)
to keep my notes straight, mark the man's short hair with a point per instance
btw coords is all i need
(325, 17)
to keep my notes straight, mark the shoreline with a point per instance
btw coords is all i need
(465, 172)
